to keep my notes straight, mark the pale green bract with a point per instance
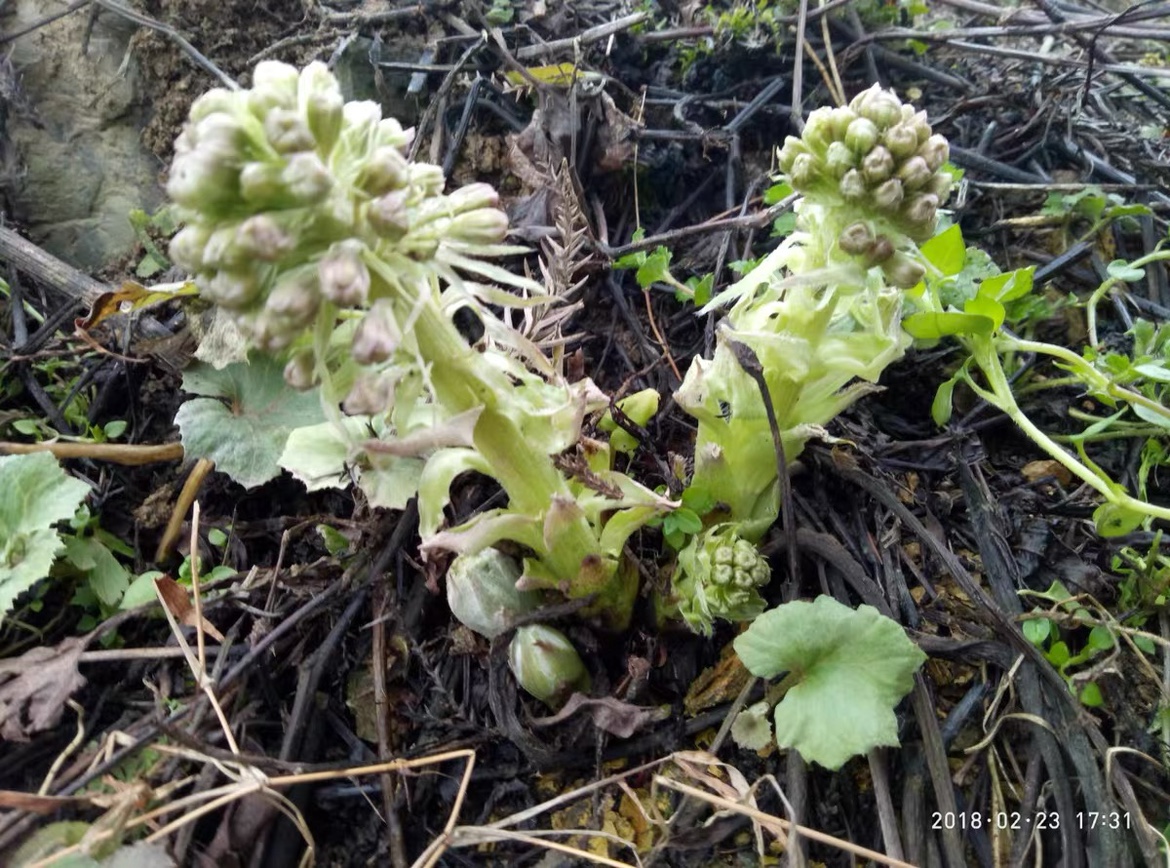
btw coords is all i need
(38, 494)
(848, 668)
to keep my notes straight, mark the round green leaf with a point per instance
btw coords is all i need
(851, 668)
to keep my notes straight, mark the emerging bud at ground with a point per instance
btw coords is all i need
(547, 665)
(481, 590)
(377, 335)
(719, 576)
(344, 278)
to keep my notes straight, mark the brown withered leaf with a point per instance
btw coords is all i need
(612, 715)
(176, 599)
(34, 687)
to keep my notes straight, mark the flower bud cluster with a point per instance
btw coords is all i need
(877, 156)
(285, 190)
(719, 576)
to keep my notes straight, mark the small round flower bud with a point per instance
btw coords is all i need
(261, 184)
(323, 112)
(221, 250)
(200, 181)
(484, 226)
(287, 131)
(293, 302)
(306, 178)
(935, 151)
(902, 271)
(852, 186)
(793, 147)
(377, 335)
(391, 134)
(299, 373)
(232, 289)
(856, 239)
(877, 166)
(221, 136)
(839, 121)
(344, 278)
(818, 129)
(940, 185)
(914, 174)
(839, 159)
(371, 394)
(546, 664)
(901, 140)
(861, 136)
(389, 216)
(881, 250)
(921, 209)
(385, 171)
(888, 196)
(262, 238)
(879, 106)
(427, 179)
(804, 171)
(186, 248)
(216, 100)
(921, 126)
(274, 84)
(473, 197)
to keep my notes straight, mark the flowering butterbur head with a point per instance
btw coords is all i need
(288, 194)
(719, 576)
(874, 157)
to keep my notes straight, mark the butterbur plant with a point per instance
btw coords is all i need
(822, 314)
(305, 219)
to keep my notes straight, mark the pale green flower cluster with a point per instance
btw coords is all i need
(720, 575)
(286, 191)
(877, 167)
